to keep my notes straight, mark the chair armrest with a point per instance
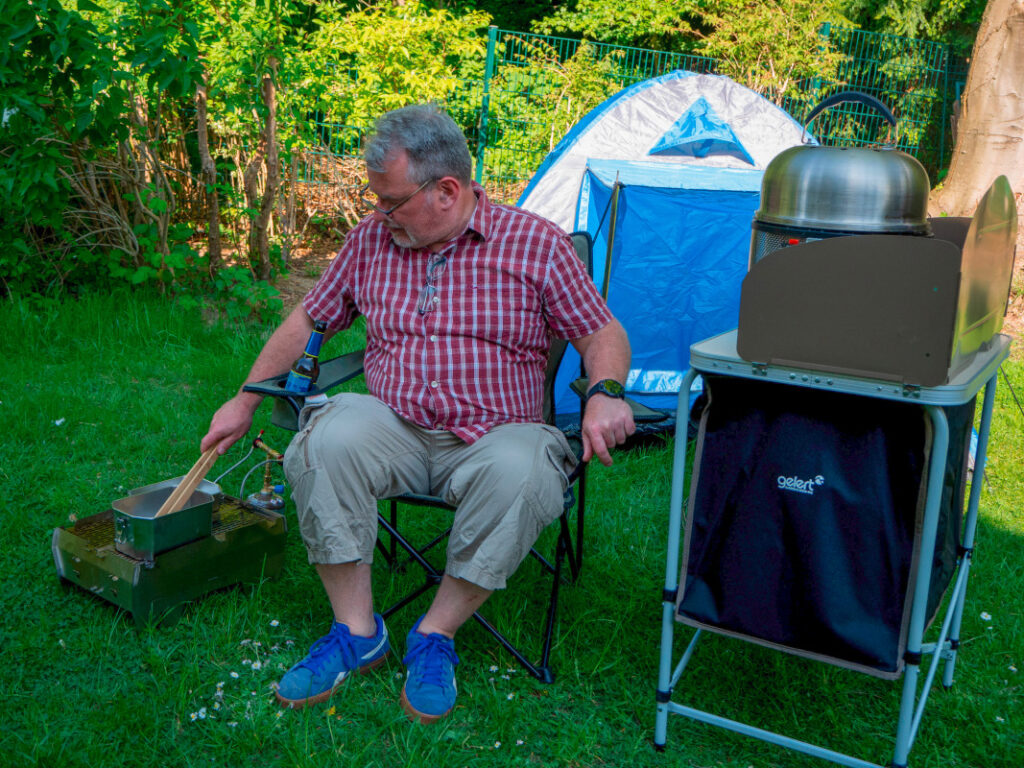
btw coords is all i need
(641, 413)
(287, 404)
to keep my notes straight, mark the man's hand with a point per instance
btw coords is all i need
(231, 422)
(607, 422)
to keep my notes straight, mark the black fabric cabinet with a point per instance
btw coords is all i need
(805, 520)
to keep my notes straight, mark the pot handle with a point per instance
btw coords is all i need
(853, 96)
(863, 98)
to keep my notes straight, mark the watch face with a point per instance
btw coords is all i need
(613, 387)
(609, 387)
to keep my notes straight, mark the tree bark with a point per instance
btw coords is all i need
(259, 244)
(209, 178)
(990, 129)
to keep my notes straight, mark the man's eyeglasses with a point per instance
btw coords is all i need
(428, 294)
(372, 206)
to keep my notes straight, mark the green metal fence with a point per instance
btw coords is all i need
(535, 87)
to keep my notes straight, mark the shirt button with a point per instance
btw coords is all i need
(434, 384)
(433, 338)
(437, 299)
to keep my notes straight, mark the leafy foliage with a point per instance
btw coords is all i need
(60, 99)
(954, 22)
(769, 46)
(386, 56)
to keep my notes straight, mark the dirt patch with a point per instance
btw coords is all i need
(305, 266)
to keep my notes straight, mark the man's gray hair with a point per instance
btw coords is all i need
(435, 145)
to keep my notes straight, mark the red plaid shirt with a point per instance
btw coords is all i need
(477, 359)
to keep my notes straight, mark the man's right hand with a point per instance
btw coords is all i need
(231, 422)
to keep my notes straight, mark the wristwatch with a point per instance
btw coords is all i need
(609, 387)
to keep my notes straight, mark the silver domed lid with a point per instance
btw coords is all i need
(858, 190)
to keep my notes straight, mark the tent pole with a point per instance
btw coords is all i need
(611, 241)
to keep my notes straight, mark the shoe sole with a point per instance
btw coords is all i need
(419, 717)
(325, 695)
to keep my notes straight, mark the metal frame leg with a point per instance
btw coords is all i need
(675, 516)
(971, 524)
(936, 469)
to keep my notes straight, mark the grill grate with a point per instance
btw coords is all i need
(766, 242)
(231, 515)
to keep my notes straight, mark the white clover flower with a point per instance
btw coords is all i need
(999, 719)
(234, 675)
(233, 724)
(193, 716)
(275, 623)
(497, 745)
(280, 713)
(246, 662)
(493, 668)
(220, 684)
(1013, 668)
(510, 696)
(519, 742)
(216, 705)
(986, 616)
(257, 665)
(202, 713)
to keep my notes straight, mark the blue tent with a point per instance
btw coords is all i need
(686, 153)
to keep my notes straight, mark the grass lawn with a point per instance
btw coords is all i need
(110, 393)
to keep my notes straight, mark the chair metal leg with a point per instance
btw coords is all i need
(390, 550)
(581, 505)
(563, 547)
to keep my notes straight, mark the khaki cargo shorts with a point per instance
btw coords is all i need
(507, 486)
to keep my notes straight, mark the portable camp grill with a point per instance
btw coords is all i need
(151, 566)
(825, 505)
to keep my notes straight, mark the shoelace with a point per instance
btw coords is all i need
(339, 641)
(433, 670)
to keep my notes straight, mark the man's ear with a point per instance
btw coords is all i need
(448, 188)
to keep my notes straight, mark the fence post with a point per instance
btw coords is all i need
(485, 103)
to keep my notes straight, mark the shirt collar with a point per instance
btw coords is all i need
(482, 220)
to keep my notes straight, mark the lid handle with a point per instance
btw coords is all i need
(851, 96)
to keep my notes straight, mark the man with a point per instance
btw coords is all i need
(461, 298)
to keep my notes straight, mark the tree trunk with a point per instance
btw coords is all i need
(209, 178)
(259, 244)
(990, 130)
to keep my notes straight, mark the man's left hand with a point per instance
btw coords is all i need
(607, 422)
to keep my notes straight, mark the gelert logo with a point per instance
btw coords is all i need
(799, 485)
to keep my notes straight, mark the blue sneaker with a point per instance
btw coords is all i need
(330, 661)
(429, 691)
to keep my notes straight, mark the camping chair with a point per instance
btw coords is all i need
(569, 542)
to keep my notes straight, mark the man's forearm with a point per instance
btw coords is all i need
(606, 353)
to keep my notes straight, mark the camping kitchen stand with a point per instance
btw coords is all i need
(718, 356)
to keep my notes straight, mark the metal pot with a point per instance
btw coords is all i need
(812, 192)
